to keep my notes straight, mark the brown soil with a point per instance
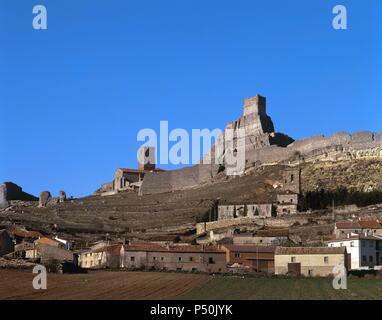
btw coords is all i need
(16, 285)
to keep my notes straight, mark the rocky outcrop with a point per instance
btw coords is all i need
(44, 199)
(62, 196)
(10, 191)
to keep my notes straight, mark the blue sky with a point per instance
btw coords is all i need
(73, 97)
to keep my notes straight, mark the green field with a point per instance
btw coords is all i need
(257, 288)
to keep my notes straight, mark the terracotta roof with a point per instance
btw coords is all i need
(348, 225)
(23, 233)
(360, 224)
(309, 250)
(114, 249)
(356, 237)
(249, 248)
(48, 241)
(149, 246)
(369, 224)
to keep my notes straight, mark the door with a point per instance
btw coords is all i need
(294, 268)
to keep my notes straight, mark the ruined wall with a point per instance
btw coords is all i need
(284, 222)
(168, 181)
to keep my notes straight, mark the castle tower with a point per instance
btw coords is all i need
(146, 160)
(292, 179)
(256, 105)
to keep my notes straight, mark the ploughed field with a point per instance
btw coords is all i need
(16, 284)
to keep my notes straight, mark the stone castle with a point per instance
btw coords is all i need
(263, 146)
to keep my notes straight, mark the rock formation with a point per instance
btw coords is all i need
(44, 199)
(10, 191)
(62, 196)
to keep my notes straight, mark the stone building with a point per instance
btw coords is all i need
(360, 226)
(176, 257)
(256, 258)
(262, 237)
(109, 256)
(309, 261)
(131, 179)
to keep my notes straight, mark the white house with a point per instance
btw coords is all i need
(365, 250)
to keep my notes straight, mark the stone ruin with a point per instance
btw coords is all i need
(62, 196)
(45, 198)
(264, 146)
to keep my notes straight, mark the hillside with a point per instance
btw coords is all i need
(126, 213)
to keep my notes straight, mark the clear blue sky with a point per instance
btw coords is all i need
(73, 97)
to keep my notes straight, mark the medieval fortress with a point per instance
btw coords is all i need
(255, 133)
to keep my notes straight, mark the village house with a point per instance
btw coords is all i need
(101, 257)
(266, 236)
(23, 235)
(256, 258)
(309, 261)
(360, 226)
(177, 257)
(365, 250)
(46, 253)
(6, 243)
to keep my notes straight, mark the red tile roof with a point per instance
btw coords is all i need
(357, 237)
(348, 225)
(23, 233)
(249, 248)
(149, 246)
(309, 250)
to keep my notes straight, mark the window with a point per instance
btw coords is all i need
(326, 260)
(161, 258)
(310, 272)
(237, 254)
(352, 244)
(179, 258)
(371, 243)
(191, 259)
(154, 258)
(291, 200)
(211, 260)
(132, 259)
(291, 178)
(293, 259)
(194, 269)
(341, 244)
(364, 258)
(371, 259)
(363, 243)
